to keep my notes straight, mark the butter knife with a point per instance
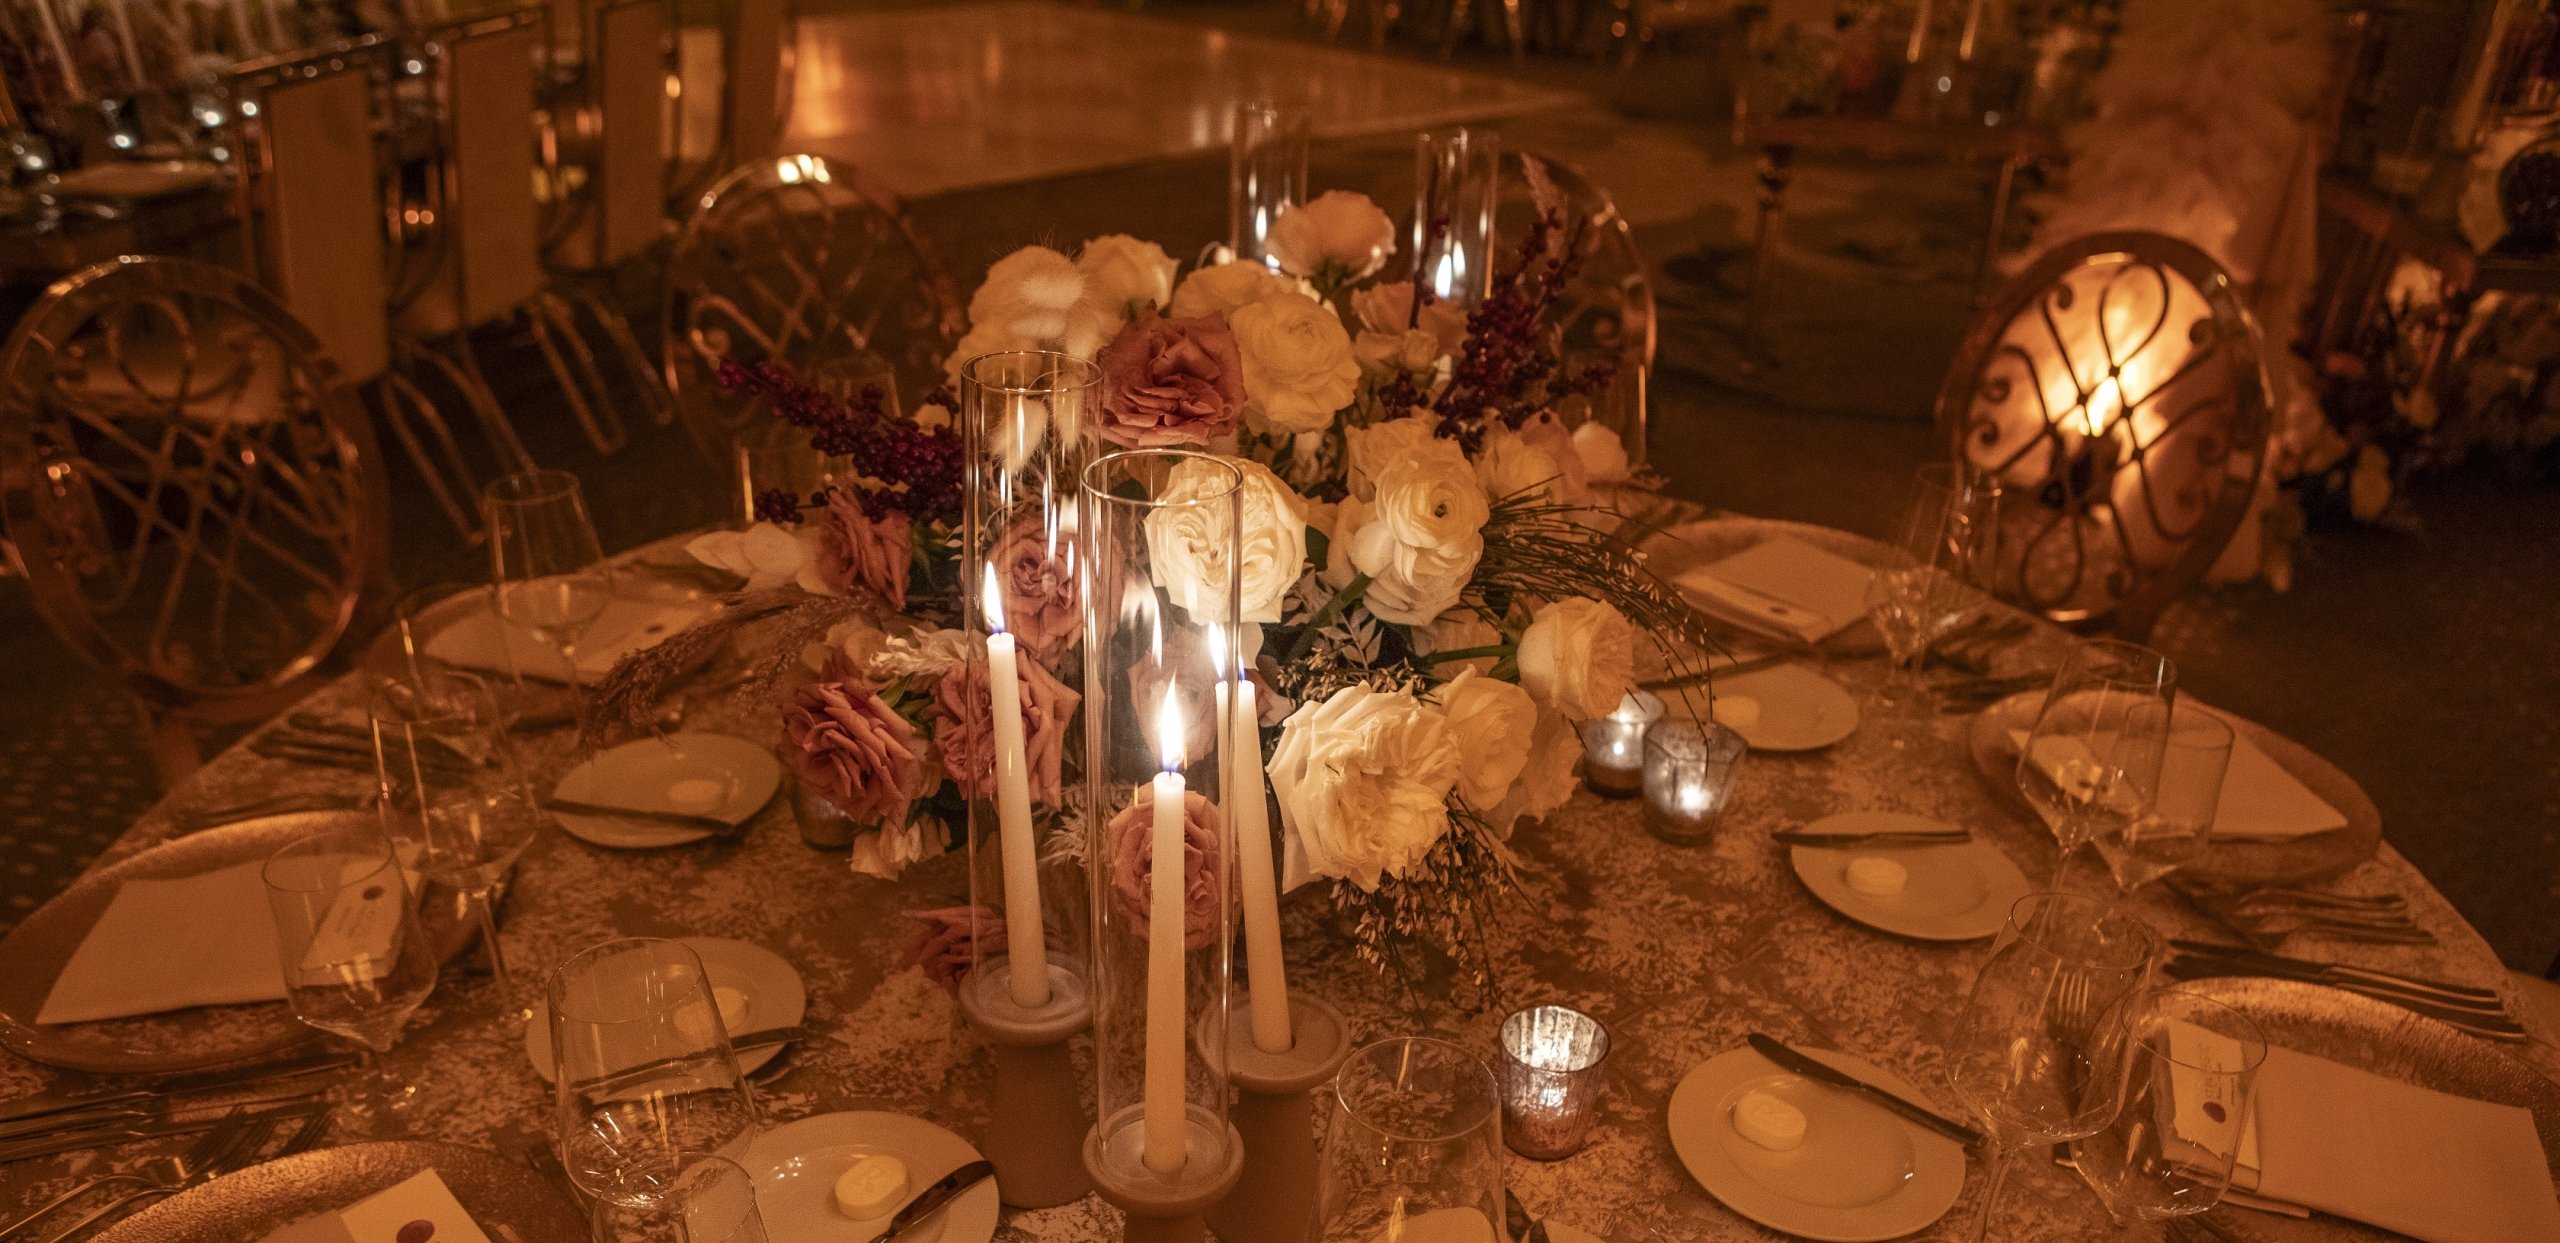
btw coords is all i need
(931, 1199)
(1789, 1059)
(1892, 837)
(679, 819)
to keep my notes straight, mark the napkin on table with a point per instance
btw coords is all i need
(1818, 593)
(488, 642)
(392, 1215)
(204, 940)
(2263, 802)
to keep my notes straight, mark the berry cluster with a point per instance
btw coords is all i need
(905, 467)
(1506, 369)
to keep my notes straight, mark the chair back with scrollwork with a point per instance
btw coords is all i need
(2116, 391)
(1606, 316)
(798, 260)
(192, 488)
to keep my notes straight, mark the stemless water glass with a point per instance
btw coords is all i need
(2089, 761)
(2029, 1044)
(452, 797)
(547, 567)
(2176, 822)
(2186, 1069)
(644, 1079)
(710, 1201)
(355, 964)
(1414, 1148)
(1923, 587)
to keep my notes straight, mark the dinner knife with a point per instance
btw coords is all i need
(1892, 837)
(2478, 1023)
(743, 1042)
(2242, 953)
(943, 1191)
(1789, 1059)
(53, 1104)
(679, 819)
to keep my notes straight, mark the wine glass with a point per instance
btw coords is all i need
(2030, 1040)
(2090, 759)
(2186, 1068)
(452, 799)
(1414, 1144)
(2176, 822)
(644, 1080)
(355, 964)
(710, 1201)
(547, 567)
(1923, 587)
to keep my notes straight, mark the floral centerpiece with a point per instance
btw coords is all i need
(1431, 600)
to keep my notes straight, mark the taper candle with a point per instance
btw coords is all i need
(1026, 943)
(1265, 966)
(1168, 1022)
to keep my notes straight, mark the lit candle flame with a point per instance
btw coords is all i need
(1169, 730)
(992, 602)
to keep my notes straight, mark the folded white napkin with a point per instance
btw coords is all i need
(1782, 586)
(2263, 802)
(204, 940)
(383, 1217)
(488, 642)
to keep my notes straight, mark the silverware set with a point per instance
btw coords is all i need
(2265, 917)
(69, 1121)
(235, 1140)
(2479, 1011)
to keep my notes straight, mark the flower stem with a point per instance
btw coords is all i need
(1333, 608)
(1496, 650)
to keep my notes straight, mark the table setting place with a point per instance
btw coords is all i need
(1206, 788)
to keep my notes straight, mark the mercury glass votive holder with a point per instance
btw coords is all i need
(1613, 746)
(1550, 1077)
(1690, 768)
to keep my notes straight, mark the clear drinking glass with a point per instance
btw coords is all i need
(2176, 822)
(1457, 178)
(709, 1201)
(2185, 1074)
(453, 799)
(2030, 1041)
(2089, 762)
(644, 1080)
(355, 964)
(547, 567)
(1924, 587)
(1266, 170)
(1414, 1147)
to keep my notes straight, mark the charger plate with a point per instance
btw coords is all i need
(510, 1203)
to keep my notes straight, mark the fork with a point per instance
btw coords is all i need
(157, 1171)
(2267, 929)
(313, 1123)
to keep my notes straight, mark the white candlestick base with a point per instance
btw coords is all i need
(1036, 1112)
(1161, 1208)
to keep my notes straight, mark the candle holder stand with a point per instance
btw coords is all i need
(1274, 1200)
(1158, 1208)
(1036, 1112)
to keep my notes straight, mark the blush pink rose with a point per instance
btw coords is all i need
(966, 736)
(1042, 610)
(854, 750)
(948, 941)
(1131, 843)
(857, 550)
(1170, 381)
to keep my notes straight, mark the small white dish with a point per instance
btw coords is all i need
(775, 997)
(1961, 891)
(795, 1167)
(1800, 710)
(697, 774)
(1861, 1173)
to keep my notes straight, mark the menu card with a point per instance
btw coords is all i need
(1782, 586)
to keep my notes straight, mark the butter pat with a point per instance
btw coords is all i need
(733, 1015)
(1877, 877)
(1737, 711)
(697, 795)
(1769, 1122)
(871, 1187)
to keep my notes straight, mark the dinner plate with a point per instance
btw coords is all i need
(510, 1203)
(698, 774)
(796, 1165)
(775, 997)
(34, 953)
(2236, 864)
(465, 630)
(1956, 892)
(1800, 710)
(1860, 1174)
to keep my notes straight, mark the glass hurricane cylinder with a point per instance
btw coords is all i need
(1457, 176)
(1690, 768)
(1613, 746)
(1266, 170)
(1161, 539)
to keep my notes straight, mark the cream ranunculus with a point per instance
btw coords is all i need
(1603, 453)
(1578, 657)
(1122, 273)
(1363, 781)
(1388, 307)
(1492, 722)
(1298, 366)
(1430, 499)
(1546, 433)
(1340, 229)
(1457, 632)
(1372, 447)
(1220, 289)
(1546, 780)
(1185, 542)
(1409, 585)
(1507, 466)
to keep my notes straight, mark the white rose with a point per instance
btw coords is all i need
(767, 556)
(1546, 780)
(1409, 585)
(1389, 308)
(1122, 273)
(1457, 632)
(1492, 722)
(1603, 454)
(1298, 366)
(1372, 447)
(1275, 543)
(1338, 228)
(1508, 466)
(1363, 781)
(1412, 350)
(1220, 289)
(1578, 657)
(1186, 543)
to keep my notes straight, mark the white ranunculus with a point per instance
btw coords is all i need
(1603, 454)
(1457, 632)
(767, 556)
(1492, 722)
(1430, 499)
(1122, 273)
(1338, 228)
(1578, 657)
(1298, 367)
(1363, 781)
(1410, 585)
(1220, 289)
(1372, 447)
(1507, 466)
(1546, 780)
(1388, 307)
(1186, 542)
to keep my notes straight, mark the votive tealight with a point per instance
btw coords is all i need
(1690, 768)
(1613, 746)
(1550, 1073)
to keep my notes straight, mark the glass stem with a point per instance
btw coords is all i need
(484, 911)
(2000, 1161)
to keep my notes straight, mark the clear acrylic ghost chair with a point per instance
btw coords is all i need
(743, 119)
(1607, 314)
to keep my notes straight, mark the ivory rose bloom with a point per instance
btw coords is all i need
(855, 751)
(1298, 366)
(1186, 541)
(1170, 382)
(1388, 307)
(1492, 723)
(1578, 658)
(1122, 274)
(1363, 781)
(1430, 499)
(1507, 465)
(1546, 781)
(1130, 841)
(1222, 288)
(1338, 229)
(858, 550)
(1372, 447)
(1043, 608)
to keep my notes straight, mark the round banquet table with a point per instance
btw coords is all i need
(1682, 951)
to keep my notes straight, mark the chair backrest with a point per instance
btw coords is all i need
(313, 203)
(751, 99)
(629, 67)
(796, 259)
(1607, 313)
(192, 488)
(491, 221)
(2115, 389)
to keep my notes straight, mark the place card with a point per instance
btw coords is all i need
(419, 1209)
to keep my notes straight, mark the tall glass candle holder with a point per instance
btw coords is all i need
(1266, 170)
(1161, 538)
(1457, 175)
(1690, 768)
(1613, 746)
